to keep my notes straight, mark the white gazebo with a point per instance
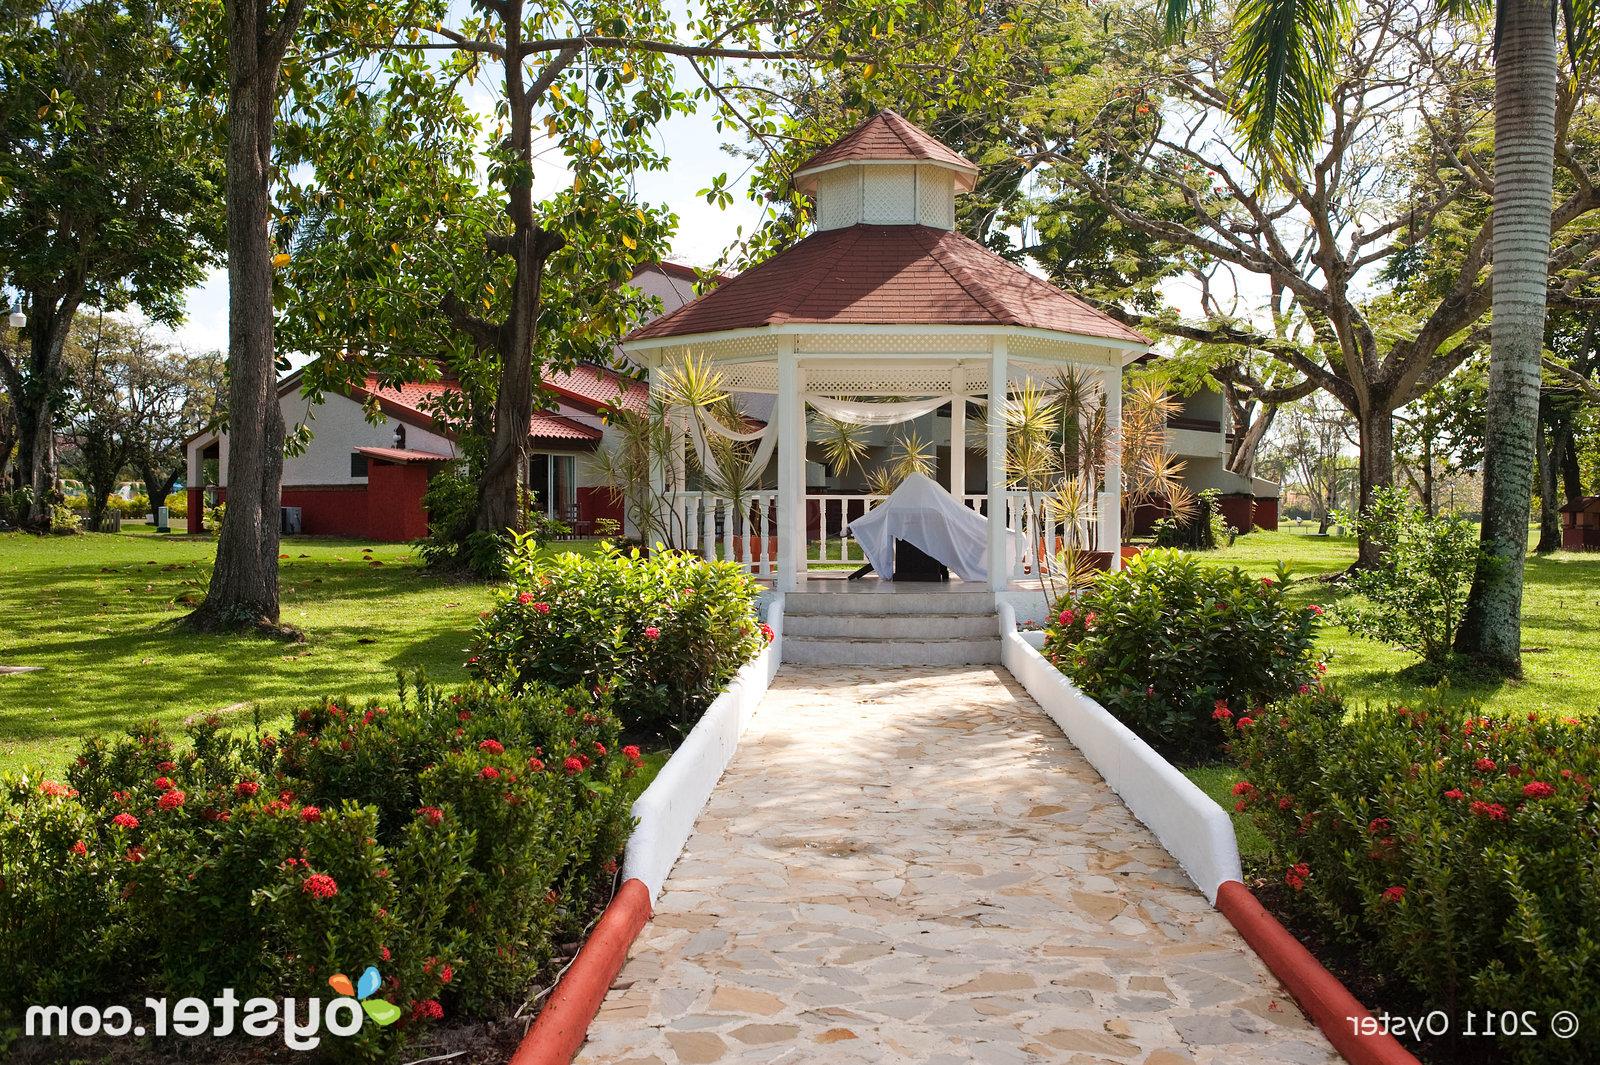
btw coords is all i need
(886, 299)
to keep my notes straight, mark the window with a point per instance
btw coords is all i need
(358, 464)
(552, 480)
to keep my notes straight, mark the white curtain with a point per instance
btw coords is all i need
(860, 412)
(767, 435)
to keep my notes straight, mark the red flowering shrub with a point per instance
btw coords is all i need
(1457, 853)
(665, 633)
(419, 834)
(1167, 644)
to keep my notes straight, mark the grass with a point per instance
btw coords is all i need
(1561, 629)
(96, 613)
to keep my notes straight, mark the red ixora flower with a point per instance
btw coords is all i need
(1379, 825)
(543, 608)
(631, 753)
(1537, 789)
(767, 633)
(1296, 875)
(247, 789)
(652, 633)
(1394, 894)
(1244, 787)
(1245, 722)
(81, 849)
(1455, 793)
(172, 800)
(492, 747)
(1484, 765)
(125, 820)
(163, 784)
(1267, 582)
(1088, 620)
(489, 772)
(1221, 712)
(54, 789)
(1492, 810)
(446, 974)
(536, 765)
(320, 885)
(573, 766)
(431, 814)
(1316, 609)
(1066, 617)
(525, 598)
(311, 814)
(428, 1010)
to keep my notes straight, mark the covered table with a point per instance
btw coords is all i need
(923, 514)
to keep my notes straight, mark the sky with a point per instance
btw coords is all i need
(695, 148)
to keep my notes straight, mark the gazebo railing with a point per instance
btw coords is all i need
(747, 532)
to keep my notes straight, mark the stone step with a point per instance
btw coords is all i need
(824, 651)
(889, 600)
(892, 626)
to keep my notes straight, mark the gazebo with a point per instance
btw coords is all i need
(885, 299)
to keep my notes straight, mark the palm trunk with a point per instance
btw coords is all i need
(244, 582)
(1524, 120)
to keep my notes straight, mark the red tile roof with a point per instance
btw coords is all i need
(680, 271)
(592, 385)
(886, 137)
(887, 275)
(402, 454)
(410, 402)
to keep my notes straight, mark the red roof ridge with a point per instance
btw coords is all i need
(915, 145)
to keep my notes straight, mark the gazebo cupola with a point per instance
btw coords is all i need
(887, 172)
(887, 313)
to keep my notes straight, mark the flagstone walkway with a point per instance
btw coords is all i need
(914, 865)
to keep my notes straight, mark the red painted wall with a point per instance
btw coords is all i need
(330, 510)
(1238, 511)
(394, 508)
(1266, 513)
(597, 503)
(197, 509)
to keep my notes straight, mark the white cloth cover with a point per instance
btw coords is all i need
(859, 412)
(922, 513)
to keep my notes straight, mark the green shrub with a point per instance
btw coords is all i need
(1415, 596)
(1163, 641)
(452, 840)
(1205, 530)
(454, 543)
(663, 634)
(1457, 854)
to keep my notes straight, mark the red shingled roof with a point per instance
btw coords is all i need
(410, 403)
(402, 454)
(885, 137)
(599, 387)
(887, 275)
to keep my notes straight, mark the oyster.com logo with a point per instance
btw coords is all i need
(382, 1012)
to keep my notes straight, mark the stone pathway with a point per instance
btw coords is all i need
(914, 865)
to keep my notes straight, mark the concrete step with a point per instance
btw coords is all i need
(823, 651)
(892, 626)
(890, 599)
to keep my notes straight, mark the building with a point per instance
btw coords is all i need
(1199, 434)
(365, 478)
(885, 300)
(1580, 524)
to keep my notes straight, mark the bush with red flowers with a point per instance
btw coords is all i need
(1456, 854)
(664, 634)
(417, 836)
(1167, 643)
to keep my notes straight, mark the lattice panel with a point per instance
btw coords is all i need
(879, 380)
(1053, 350)
(838, 199)
(936, 197)
(976, 345)
(888, 194)
(750, 377)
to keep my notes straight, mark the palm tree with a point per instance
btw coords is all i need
(1284, 54)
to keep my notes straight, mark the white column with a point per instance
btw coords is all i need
(999, 571)
(790, 411)
(1111, 499)
(958, 434)
(658, 478)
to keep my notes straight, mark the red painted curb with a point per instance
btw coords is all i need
(1327, 1001)
(564, 1022)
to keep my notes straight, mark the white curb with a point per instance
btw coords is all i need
(669, 807)
(1193, 828)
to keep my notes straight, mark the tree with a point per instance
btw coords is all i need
(101, 419)
(518, 281)
(183, 394)
(1282, 66)
(109, 194)
(1374, 263)
(1310, 447)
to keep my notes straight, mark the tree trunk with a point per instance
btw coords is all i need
(500, 489)
(1375, 429)
(1571, 470)
(1247, 441)
(1524, 121)
(34, 404)
(1427, 474)
(157, 487)
(1547, 453)
(244, 582)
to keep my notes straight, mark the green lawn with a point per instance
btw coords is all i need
(1560, 637)
(96, 612)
